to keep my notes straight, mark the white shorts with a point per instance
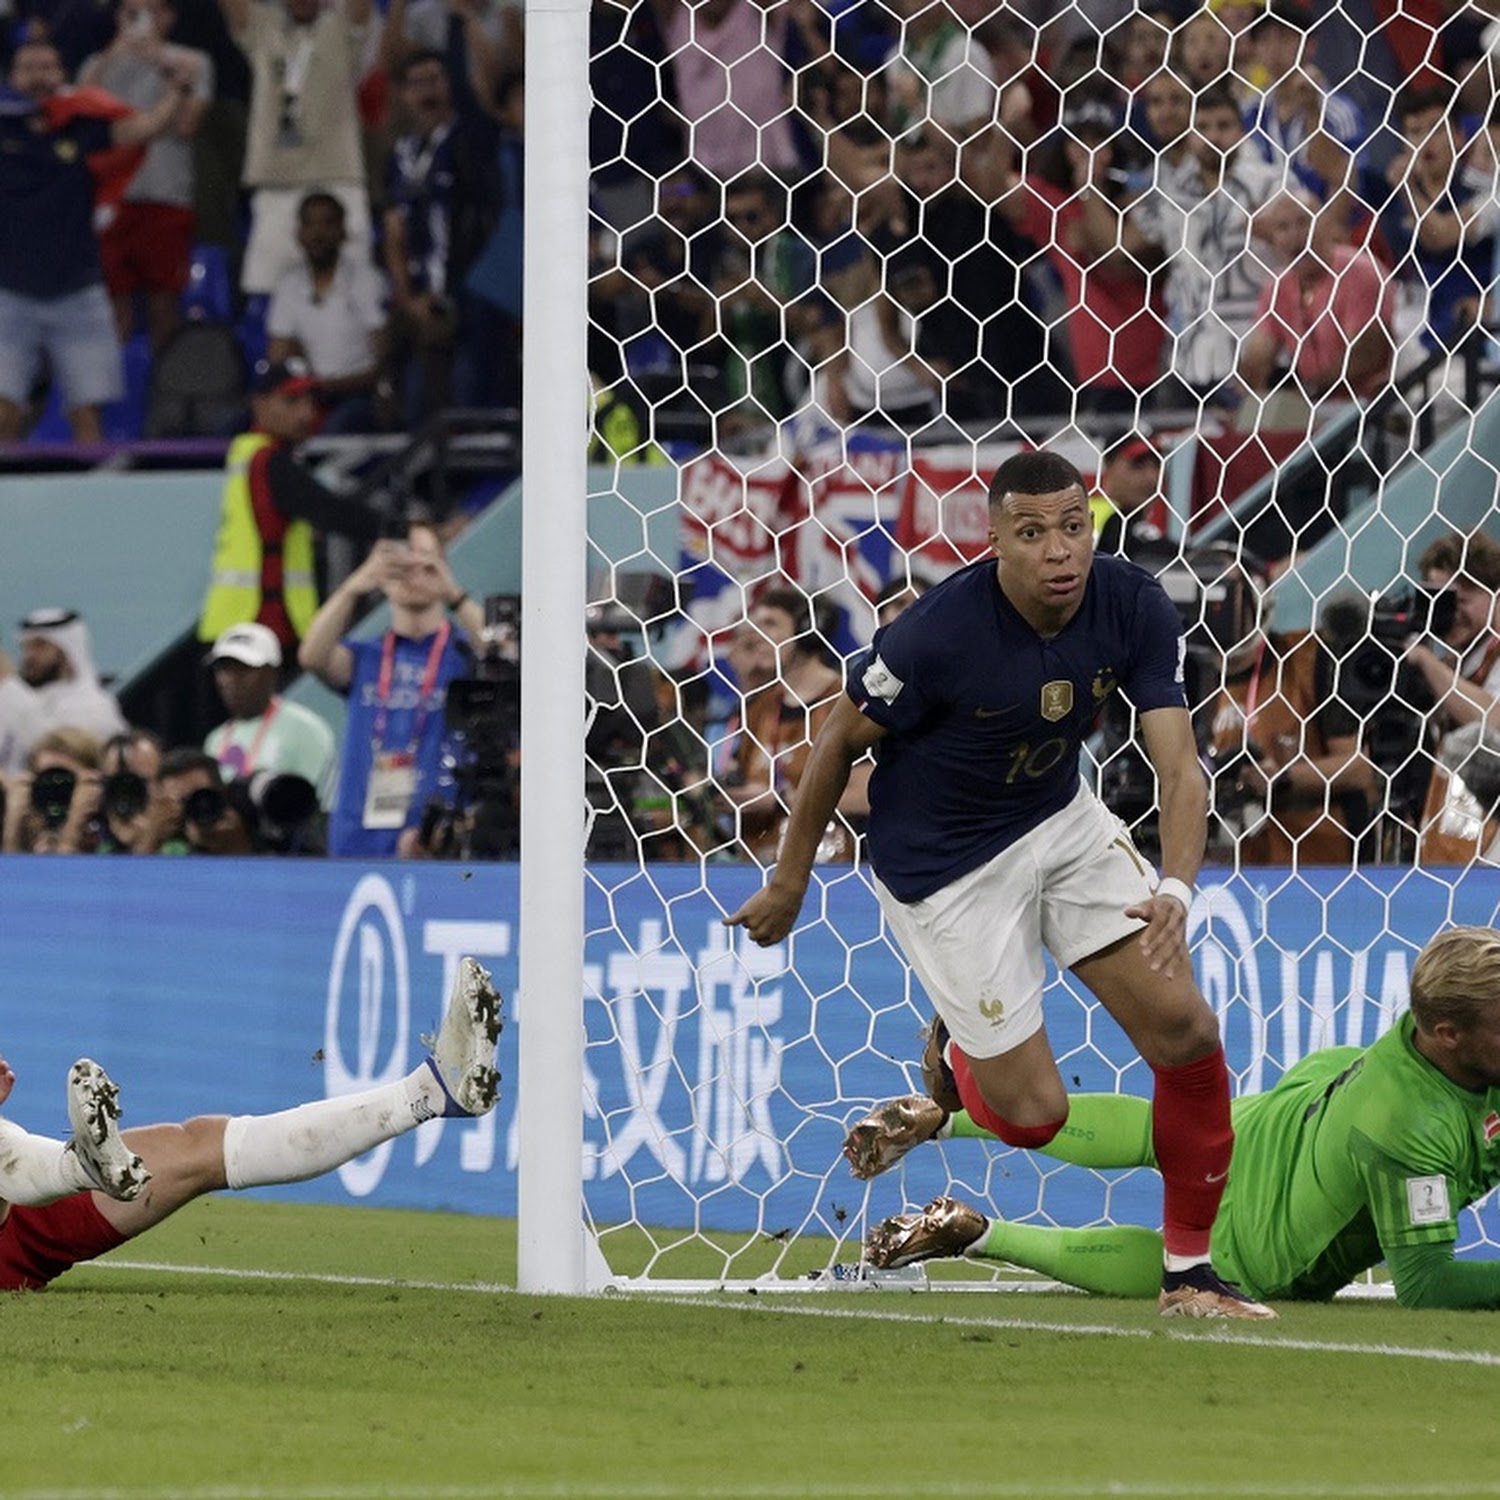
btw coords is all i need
(271, 249)
(977, 944)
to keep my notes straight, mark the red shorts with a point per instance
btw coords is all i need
(147, 248)
(39, 1244)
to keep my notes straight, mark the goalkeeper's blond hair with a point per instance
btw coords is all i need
(1455, 976)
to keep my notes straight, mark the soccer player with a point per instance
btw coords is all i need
(1353, 1158)
(63, 1202)
(987, 845)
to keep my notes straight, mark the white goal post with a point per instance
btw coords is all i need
(717, 1079)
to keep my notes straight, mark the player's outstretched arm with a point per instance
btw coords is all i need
(1430, 1276)
(771, 912)
(1168, 733)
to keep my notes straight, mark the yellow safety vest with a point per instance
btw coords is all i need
(1101, 508)
(245, 554)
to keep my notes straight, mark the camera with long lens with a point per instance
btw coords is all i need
(52, 796)
(476, 812)
(125, 796)
(1375, 682)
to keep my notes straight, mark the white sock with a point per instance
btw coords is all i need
(261, 1150)
(1185, 1262)
(34, 1169)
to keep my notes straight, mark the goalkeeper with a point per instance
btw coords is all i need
(66, 1201)
(1354, 1157)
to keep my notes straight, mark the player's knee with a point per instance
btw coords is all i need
(1183, 1034)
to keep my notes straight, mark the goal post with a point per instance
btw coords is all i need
(827, 323)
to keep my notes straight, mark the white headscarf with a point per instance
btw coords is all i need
(81, 701)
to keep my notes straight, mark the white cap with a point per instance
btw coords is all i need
(253, 645)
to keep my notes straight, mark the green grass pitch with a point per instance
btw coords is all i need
(351, 1353)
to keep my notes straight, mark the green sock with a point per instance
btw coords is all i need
(1103, 1130)
(1124, 1261)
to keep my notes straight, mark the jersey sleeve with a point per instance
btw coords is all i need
(1157, 675)
(1429, 1276)
(1412, 1197)
(891, 682)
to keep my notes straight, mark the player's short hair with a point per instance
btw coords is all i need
(1455, 976)
(1033, 474)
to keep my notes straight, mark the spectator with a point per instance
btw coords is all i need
(304, 131)
(52, 808)
(984, 334)
(440, 206)
(329, 310)
(489, 363)
(787, 690)
(1463, 671)
(57, 660)
(1328, 317)
(880, 376)
(1435, 219)
(732, 84)
(264, 562)
(52, 298)
(146, 244)
(1299, 121)
(396, 736)
(264, 734)
(748, 286)
(1073, 206)
(1124, 502)
(1202, 225)
(488, 35)
(22, 719)
(635, 133)
(940, 74)
(1202, 50)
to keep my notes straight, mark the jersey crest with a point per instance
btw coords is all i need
(1057, 700)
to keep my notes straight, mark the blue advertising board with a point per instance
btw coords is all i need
(719, 1077)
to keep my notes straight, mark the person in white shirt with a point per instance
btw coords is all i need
(58, 662)
(331, 311)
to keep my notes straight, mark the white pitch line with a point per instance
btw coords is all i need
(1225, 1333)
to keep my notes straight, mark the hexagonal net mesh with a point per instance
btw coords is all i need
(1234, 262)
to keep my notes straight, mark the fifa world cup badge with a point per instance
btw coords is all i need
(1057, 700)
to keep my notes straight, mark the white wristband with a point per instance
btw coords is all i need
(1178, 890)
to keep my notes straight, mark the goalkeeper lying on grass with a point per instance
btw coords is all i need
(1353, 1158)
(66, 1201)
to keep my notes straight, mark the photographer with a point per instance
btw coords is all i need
(396, 736)
(53, 806)
(1463, 672)
(210, 817)
(1291, 784)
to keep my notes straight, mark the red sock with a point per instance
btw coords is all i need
(1027, 1136)
(1192, 1137)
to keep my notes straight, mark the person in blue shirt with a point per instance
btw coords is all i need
(396, 683)
(988, 847)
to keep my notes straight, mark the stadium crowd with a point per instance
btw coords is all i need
(922, 218)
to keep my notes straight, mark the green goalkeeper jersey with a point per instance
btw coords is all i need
(1353, 1158)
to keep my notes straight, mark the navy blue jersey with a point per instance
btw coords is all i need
(985, 718)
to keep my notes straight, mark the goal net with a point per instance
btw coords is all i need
(1235, 262)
